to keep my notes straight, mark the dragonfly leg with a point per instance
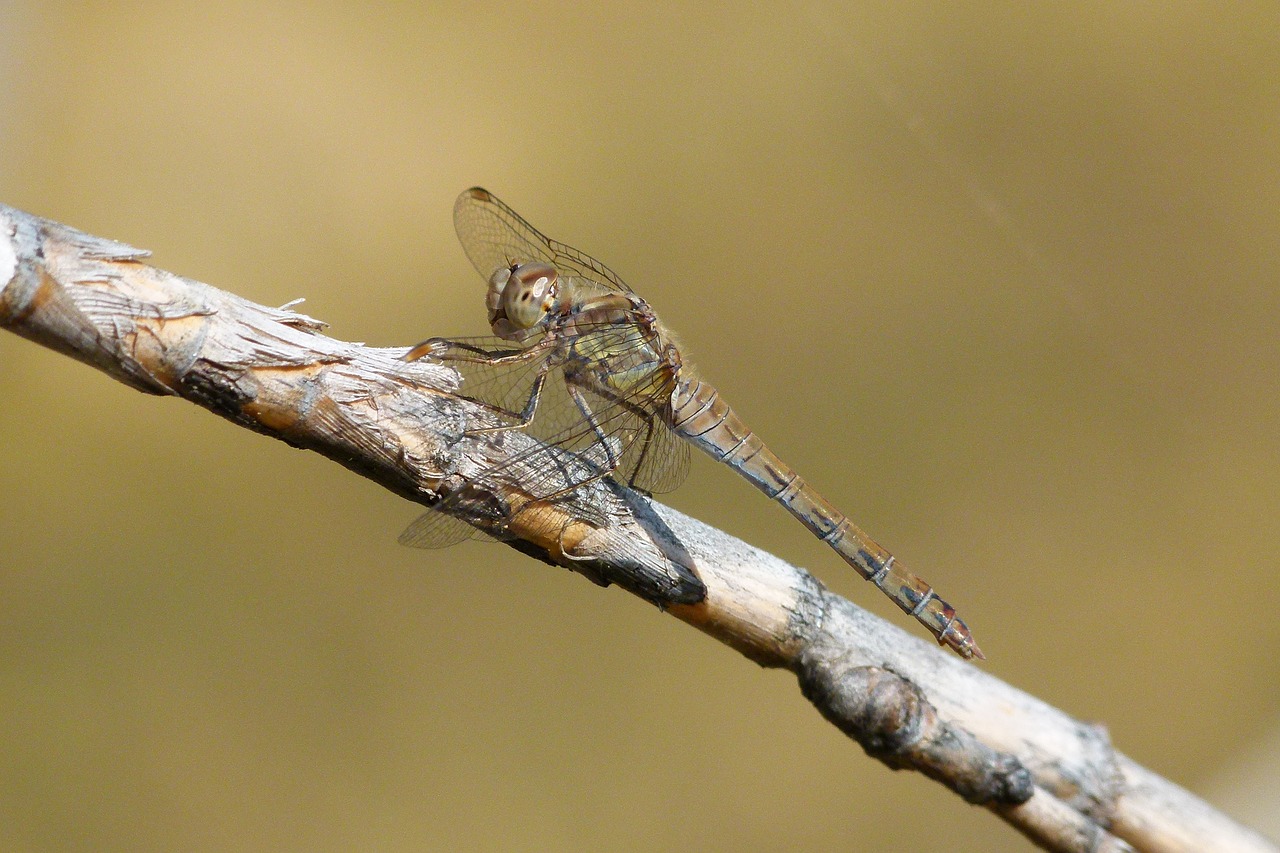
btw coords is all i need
(443, 349)
(613, 456)
(650, 424)
(525, 416)
(641, 413)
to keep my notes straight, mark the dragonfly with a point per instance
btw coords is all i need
(581, 362)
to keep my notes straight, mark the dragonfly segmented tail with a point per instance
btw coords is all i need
(701, 415)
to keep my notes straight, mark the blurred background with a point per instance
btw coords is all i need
(1000, 280)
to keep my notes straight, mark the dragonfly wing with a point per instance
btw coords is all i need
(580, 435)
(493, 236)
(503, 387)
(623, 430)
(648, 455)
(548, 468)
(661, 460)
(435, 529)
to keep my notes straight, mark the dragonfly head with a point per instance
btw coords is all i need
(521, 297)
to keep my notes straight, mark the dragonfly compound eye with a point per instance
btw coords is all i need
(530, 294)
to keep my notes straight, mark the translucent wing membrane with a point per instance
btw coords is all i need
(581, 435)
(435, 529)
(493, 235)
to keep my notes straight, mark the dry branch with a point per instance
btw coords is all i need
(909, 704)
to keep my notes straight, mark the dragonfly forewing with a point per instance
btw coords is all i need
(495, 236)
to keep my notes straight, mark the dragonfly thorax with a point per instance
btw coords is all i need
(521, 297)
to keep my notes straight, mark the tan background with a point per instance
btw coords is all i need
(1001, 280)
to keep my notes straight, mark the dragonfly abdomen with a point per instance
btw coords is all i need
(699, 414)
